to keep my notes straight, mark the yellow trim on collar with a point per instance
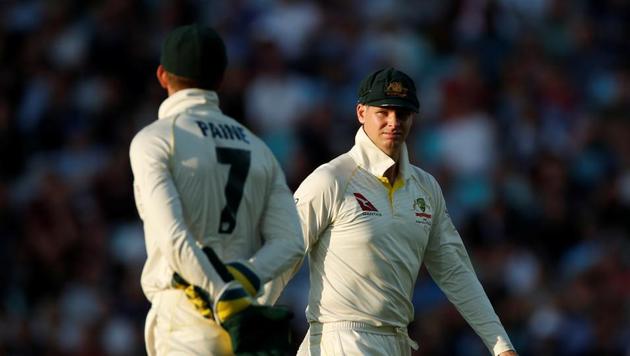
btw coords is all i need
(399, 183)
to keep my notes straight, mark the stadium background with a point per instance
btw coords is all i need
(524, 120)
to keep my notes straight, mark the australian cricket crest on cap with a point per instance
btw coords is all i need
(388, 87)
(396, 89)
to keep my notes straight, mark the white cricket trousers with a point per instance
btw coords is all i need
(175, 327)
(355, 338)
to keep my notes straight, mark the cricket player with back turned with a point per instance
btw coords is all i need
(208, 191)
(370, 219)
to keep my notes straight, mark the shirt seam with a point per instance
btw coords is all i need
(343, 191)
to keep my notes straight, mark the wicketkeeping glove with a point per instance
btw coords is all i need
(255, 330)
(260, 330)
(198, 297)
(242, 272)
(232, 300)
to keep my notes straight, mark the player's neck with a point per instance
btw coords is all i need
(392, 173)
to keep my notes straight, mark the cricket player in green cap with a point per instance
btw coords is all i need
(208, 191)
(370, 219)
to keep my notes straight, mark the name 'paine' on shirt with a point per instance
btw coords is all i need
(222, 131)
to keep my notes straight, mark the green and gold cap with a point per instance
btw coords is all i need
(194, 51)
(389, 87)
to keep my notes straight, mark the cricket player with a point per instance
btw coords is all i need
(204, 182)
(370, 219)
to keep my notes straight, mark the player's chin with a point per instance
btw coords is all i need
(393, 140)
(390, 146)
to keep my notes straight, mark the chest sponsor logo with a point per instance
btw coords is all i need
(367, 207)
(420, 208)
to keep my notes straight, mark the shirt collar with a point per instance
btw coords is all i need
(369, 157)
(187, 98)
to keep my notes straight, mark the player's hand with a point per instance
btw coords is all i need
(232, 300)
(254, 329)
(243, 273)
(260, 330)
(508, 353)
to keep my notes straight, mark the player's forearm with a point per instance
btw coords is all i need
(451, 270)
(272, 290)
(283, 251)
(283, 248)
(276, 258)
(163, 217)
(182, 254)
(475, 307)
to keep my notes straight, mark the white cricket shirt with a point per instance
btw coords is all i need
(367, 240)
(203, 179)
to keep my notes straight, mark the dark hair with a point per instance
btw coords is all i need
(179, 82)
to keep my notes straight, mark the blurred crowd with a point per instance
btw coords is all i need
(524, 120)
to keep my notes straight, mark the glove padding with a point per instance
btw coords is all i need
(241, 272)
(197, 296)
(231, 301)
(260, 330)
(255, 330)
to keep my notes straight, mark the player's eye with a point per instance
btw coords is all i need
(404, 115)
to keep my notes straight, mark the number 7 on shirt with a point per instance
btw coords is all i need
(239, 161)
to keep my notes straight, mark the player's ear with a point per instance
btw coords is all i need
(361, 109)
(162, 76)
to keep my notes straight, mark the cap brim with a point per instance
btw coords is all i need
(394, 102)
